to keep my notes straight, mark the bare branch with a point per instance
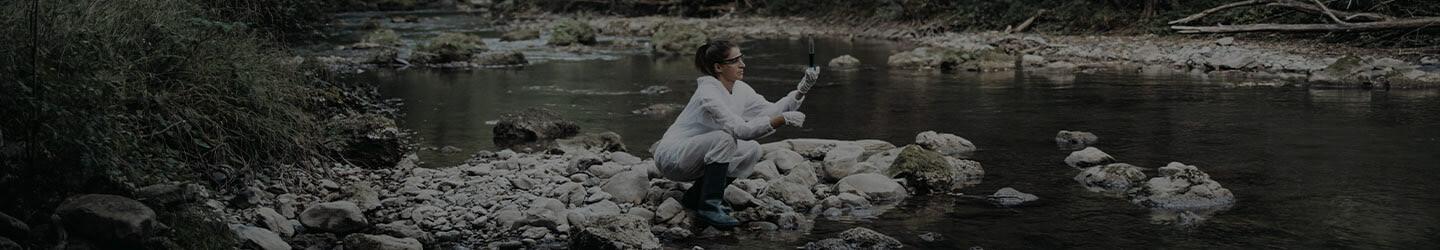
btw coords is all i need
(1202, 14)
(1328, 12)
(1413, 23)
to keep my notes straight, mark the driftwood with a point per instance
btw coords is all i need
(1026, 24)
(1343, 20)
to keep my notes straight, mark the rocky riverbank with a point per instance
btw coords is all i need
(1285, 63)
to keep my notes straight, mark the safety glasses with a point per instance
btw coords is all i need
(734, 60)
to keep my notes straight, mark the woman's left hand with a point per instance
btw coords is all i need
(811, 76)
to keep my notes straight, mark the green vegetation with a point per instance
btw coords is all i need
(571, 31)
(382, 37)
(450, 47)
(678, 38)
(110, 95)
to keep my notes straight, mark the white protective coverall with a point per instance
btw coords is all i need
(718, 126)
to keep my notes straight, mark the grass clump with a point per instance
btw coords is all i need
(382, 37)
(570, 32)
(452, 47)
(125, 93)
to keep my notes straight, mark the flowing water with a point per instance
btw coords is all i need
(1310, 168)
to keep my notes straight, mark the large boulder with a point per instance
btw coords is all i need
(1075, 139)
(1009, 197)
(843, 161)
(614, 232)
(785, 159)
(337, 217)
(371, 140)
(927, 171)
(876, 186)
(450, 47)
(530, 125)
(1090, 156)
(571, 32)
(844, 62)
(499, 58)
(380, 242)
(274, 221)
(1181, 186)
(946, 144)
(1111, 178)
(108, 218)
(259, 238)
(923, 57)
(678, 38)
(628, 187)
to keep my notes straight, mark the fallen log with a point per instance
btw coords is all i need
(1412, 23)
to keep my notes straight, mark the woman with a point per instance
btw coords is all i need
(714, 137)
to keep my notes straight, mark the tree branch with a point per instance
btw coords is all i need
(1202, 14)
(1413, 23)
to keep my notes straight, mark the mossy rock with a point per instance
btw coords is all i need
(926, 170)
(677, 38)
(452, 47)
(382, 37)
(571, 31)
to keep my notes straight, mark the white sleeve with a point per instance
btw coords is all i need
(759, 107)
(733, 123)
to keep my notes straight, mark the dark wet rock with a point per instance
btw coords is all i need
(1075, 139)
(967, 172)
(450, 47)
(923, 57)
(380, 242)
(530, 125)
(571, 32)
(1113, 178)
(593, 143)
(661, 109)
(338, 217)
(857, 238)
(108, 218)
(372, 141)
(677, 38)
(876, 186)
(1090, 156)
(844, 62)
(931, 237)
(11, 227)
(1009, 197)
(259, 238)
(1181, 186)
(520, 35)
(500, 58)
(614, 232)
(927, 171)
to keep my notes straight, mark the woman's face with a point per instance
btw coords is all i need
(733, 67)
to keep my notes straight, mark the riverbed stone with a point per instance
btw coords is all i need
(1181, 186)
(1090, 156)
(1075, 139)
(380, 242)
(1113, 178)
(844, 62)
(927, 171)
(399, 229)
(923, 57)
(592, 142)
(108, 218)
(499, 58)
(785, 159)
(857, 238)
(842, 161)
(668, 209)
(793, 194)
(967, 172)
(259, 237)
(766, 170)
(532, 124)
(337, 217)
(449, 47)
(946, 144)
(271, 219)
(1009, 197)
(737, 197)
(614, 232)
(875, 186)
(628, 187)
(571, 32)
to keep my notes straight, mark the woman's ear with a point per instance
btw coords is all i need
(717, 67)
